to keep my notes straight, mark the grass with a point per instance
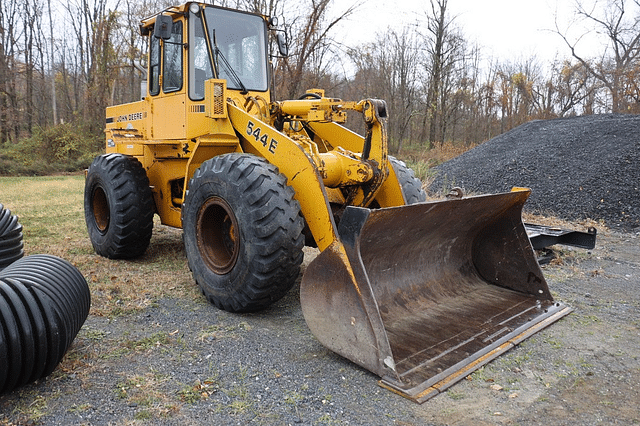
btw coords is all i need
(147, 391)
(427, 158)
(191, 394)
(219, 331)
(32, 407)
(456, 396)
(147, 343)
(49, 208)
(51, 211)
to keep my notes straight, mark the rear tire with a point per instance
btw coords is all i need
(411, 185)
(242, 232)
(118, 206)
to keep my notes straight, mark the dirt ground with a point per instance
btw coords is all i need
(583, 370)
(181, 361)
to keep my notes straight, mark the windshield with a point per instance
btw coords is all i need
(241, 40)
(200, 68)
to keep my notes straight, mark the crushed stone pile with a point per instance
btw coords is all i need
(578, 168)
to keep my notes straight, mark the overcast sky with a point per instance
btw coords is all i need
(505, 29)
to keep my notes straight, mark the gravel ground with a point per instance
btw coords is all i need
(180, 361)
(577, 168)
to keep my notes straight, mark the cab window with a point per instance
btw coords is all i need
(172, 58)
(240, 40)
(154, 66)
(200, 68)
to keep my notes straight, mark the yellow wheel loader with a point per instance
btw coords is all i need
(420, 293)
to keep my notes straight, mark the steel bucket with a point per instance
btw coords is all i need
(422, 295)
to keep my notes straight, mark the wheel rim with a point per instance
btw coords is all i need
(100, 209)
(217, 235)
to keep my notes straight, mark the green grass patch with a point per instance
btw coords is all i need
(51, 211)
(147, 343)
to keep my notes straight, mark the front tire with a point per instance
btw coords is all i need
(242, 232)
(118, 206)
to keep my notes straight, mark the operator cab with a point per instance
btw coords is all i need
(220, 43)
(196, 42)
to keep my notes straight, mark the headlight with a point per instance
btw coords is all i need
(194, 8)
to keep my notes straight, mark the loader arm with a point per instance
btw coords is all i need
(421, 295)
(292, 161)
(362, 170)
(370, 151)
(390, 192)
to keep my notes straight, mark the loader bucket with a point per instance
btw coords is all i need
(422, 295)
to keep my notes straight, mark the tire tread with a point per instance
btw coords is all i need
(131, 226)
(276, 231)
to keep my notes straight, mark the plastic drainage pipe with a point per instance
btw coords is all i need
(11, 245)
(44, 300)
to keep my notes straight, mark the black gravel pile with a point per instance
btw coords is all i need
(577, 168)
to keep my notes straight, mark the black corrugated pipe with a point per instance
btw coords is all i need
(44, 300)
(11, 245)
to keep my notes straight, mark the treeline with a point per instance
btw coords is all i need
(63, 62)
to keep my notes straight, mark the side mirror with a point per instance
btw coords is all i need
(282, 44)
(162, 27)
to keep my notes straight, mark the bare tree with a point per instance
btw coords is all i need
(266, 7)
(8, 96)
(452, 76)
(436, 87)
(465, 104)
(623, 33)
(565, 91)
(387, 68)
(93, 26)
(54, 106)
(310, 47)
(443, 43)
(31, 15)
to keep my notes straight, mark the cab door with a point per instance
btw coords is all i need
(167, 85)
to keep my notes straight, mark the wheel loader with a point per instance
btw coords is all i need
(419, 293)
